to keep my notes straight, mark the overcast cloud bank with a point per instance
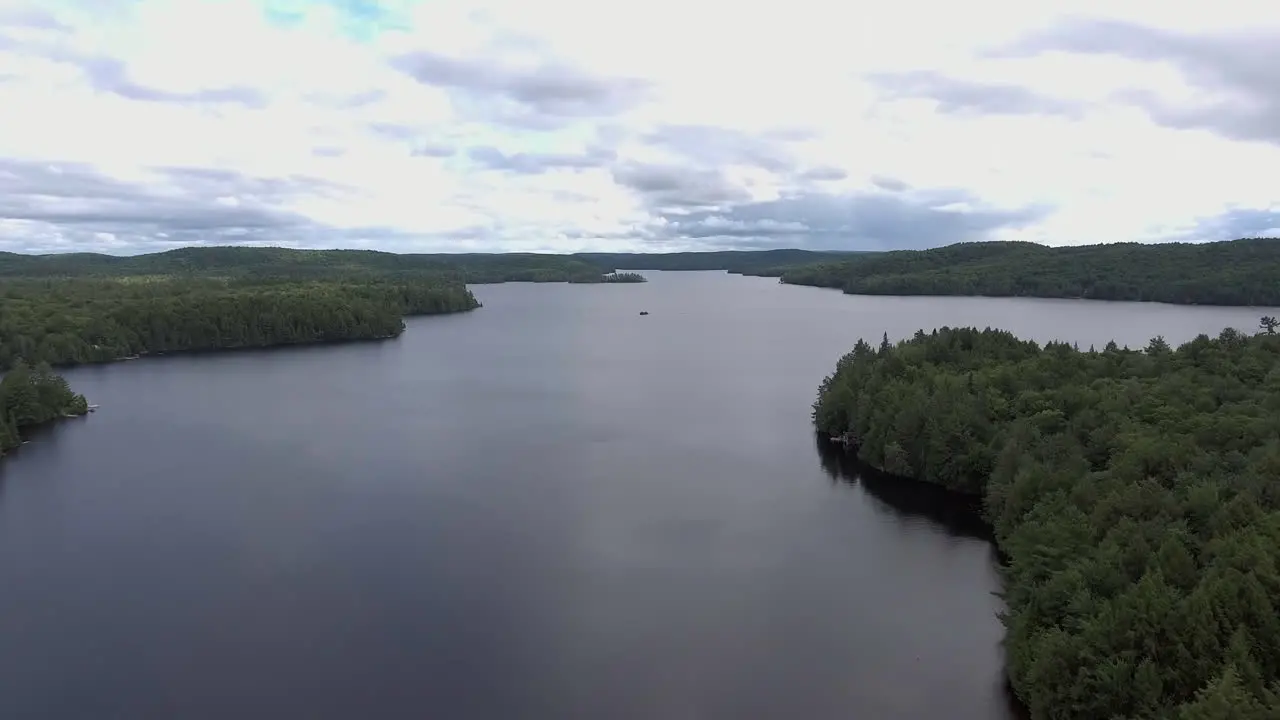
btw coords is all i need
(493, 125)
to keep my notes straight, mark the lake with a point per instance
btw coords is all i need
(551, 507)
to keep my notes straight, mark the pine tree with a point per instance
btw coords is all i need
(1225, 699)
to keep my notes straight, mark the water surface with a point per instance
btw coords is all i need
(549, 508)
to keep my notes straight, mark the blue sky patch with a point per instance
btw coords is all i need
(358, 19)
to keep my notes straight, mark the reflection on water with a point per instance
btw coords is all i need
(912, 500)
(959, 515)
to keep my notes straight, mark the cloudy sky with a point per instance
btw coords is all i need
(560, 125)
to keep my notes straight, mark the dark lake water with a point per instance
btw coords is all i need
(548, 508)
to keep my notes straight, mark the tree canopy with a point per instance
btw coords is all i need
(83, 307)
(276, 264)
(70, 321)
(1238, 272)
(1133, 491)
(473, 268)
(33, 396)
(77, 308)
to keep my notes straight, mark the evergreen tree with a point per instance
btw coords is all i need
(1133, 493)
(31, 397)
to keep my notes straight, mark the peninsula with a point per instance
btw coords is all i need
(33, 396)
(1133, 492)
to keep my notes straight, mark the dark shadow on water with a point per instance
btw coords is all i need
(278, 348)
(959, 515)
(45, 433)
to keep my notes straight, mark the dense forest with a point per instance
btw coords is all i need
(69, 309)
(78, 308)
(70, 321)
(275, 264)
(81, 307)
(472, 268)
(1237, 272)
(33, 396)
(1133, 491)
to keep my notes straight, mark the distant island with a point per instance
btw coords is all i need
(1237, 272)
(1134, 493)
(33, 396)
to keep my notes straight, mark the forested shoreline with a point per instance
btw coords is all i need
(74, 321)
(269, 264)
(84, 308)
(1133, 492)
(1236, 272)
(31, 396)
(469, 268)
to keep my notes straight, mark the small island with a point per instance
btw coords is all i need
(31, 396)
(625, 277)
(1134, 493)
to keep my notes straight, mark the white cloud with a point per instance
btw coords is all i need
(561, 125)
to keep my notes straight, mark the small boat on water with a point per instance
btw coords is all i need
(92, 408)
(644, 312)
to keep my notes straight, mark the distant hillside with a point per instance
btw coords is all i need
(1236, 272)
(254, 262)
(283, 263)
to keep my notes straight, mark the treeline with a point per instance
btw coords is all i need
(1237, 272)
(1134, 493)
(71, 321)
(283, 264)
(33, 396)
(79, 308)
